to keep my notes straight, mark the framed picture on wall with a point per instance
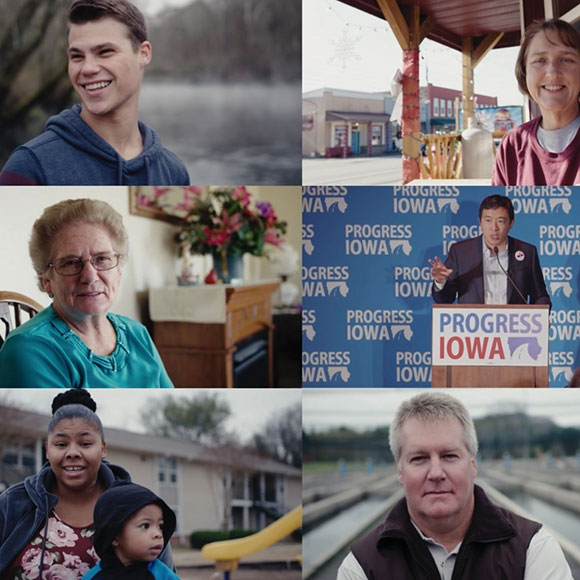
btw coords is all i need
(167, 203)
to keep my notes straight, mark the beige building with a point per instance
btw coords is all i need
(208, 489)
(335, 122)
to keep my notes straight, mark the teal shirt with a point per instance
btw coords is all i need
(159, 570)
(46, 352)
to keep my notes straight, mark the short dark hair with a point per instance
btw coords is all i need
(495, 201)
(567, 34)
(82, 11)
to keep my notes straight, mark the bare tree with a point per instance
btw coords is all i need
(281, 437)
(199, 419)
(233, 40)
(33, 68)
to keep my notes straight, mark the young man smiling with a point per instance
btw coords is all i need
(475, 269)
(446, 527)
(101, 140)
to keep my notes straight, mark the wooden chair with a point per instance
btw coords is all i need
(15, 309)
(443, 156)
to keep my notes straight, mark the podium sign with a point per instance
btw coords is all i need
(480, 335)
(485, 337)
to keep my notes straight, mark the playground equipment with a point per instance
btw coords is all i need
(228, 553)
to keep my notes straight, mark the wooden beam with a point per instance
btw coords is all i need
(397, 22)
(426, 27)
(484, 47)
(572, 15)
(522, 20)
(415, 27)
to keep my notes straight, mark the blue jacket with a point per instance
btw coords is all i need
(159, 570)
(25, 507)
(45, 352)
(69, 152)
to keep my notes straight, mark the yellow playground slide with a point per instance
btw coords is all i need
(228, 553)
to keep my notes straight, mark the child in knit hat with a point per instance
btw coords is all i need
(132, 527)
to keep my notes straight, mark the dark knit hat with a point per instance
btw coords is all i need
(117, 504)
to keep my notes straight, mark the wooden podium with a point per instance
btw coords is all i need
(490, 345)
(196, 329)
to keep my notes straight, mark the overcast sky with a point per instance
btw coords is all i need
(347, 49)
(251, 408)
(368, 408)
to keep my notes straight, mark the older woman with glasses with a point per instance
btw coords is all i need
(77, 249)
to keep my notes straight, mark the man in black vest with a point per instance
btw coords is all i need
(445, 528)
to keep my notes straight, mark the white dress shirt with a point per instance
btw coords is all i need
(494, 279)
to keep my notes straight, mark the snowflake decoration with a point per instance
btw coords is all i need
(345, 49)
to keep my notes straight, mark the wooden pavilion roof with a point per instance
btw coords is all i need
(452, 20)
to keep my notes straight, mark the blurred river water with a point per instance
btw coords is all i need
(229, 134)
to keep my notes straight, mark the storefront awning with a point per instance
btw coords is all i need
(350, 117)
(442, 121)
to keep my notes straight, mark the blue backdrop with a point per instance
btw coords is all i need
(366, 285)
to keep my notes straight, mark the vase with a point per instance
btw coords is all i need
(186, 271)
(229, 267)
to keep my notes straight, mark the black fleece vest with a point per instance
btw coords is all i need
(494, 547)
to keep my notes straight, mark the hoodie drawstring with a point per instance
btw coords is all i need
(119, 170)
(147, 168)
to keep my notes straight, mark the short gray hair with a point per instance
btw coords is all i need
(67, 213)
(432, 406)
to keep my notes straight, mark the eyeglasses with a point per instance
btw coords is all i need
(74, 266)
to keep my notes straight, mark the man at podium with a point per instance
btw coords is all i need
(493, 268)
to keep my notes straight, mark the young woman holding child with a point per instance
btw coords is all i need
(46, 521)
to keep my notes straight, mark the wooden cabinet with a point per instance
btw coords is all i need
(196, 329)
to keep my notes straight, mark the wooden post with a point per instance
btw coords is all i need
(468, 109)
(410, 117)
(409, 32)
(369, 139)
(472, 56)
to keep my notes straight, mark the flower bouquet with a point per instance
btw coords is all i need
(221, 221)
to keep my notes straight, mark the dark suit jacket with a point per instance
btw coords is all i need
(466, 282)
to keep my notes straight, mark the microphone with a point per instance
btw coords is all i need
(496, 252)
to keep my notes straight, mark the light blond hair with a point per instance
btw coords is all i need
(428, 407)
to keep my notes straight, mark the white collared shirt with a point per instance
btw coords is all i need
(494, 279)
(444, 560)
